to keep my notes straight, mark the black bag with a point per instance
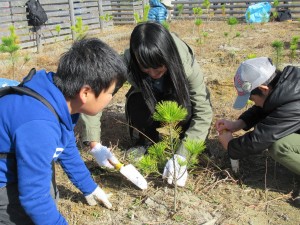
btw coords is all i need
(36, 14)
(283, 15)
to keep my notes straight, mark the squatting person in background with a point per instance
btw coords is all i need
(275, 116)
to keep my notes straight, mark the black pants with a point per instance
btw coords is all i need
(11, 210)
(139, 116)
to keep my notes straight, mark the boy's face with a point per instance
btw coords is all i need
(95, 105)
(259, 100)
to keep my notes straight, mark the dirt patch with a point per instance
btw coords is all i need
(258, 195)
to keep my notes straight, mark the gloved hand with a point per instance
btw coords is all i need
(98, 195)
(181, 171)
(104, 156)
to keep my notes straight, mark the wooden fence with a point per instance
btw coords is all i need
(222, 9)
(63, 13)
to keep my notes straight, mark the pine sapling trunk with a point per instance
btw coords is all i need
(174, 166)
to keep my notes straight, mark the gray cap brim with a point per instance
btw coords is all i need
(241, 101)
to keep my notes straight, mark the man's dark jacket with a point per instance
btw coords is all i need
(279, 117)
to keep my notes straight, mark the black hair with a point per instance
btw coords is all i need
(152, 46)
(89, 62)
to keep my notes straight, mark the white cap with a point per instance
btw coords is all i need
(251, 74)
(167, 3)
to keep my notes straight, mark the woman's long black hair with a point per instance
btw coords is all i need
(152, 46)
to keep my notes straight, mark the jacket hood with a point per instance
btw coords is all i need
(288, 92)
(42, 83)
(155, 3)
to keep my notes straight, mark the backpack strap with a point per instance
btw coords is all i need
(30, 92)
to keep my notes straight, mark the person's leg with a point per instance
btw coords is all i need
(91, 130)
(140, 117)
(286, 151)
(11, 211)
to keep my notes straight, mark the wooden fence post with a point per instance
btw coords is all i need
(100, 6)
(38, 39)
(72, 17)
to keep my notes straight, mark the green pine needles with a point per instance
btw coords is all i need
(79, 29)
(10, 45)
(278, 47)
(169, 113)
(144, 18)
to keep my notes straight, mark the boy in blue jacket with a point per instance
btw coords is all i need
(31, 136)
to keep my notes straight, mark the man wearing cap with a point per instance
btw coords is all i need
(275, 115)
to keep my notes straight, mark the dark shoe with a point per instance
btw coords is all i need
(296, 198)
(296, 192)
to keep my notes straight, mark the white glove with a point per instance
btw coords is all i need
(181, 171)
(98, 195)
(104, 156)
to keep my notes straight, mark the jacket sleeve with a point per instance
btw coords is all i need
(281, 122)
(252, 116)
(75, 168)
(200, 97)
(35, 144)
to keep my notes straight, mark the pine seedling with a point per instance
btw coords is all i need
(169, 114)
(144, 18)
(275, 5)
(198, 21)
(180, 10)
(166, 25)
(206, 5)
(251, 56)
(106, 17)
(223, 8)
(79, 29)
(58, 29)
(278, 47)
(10, 45)
(232, 21)
(293, 47)
(146, 12)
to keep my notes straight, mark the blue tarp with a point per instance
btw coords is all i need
(258, 13)
(6, 82)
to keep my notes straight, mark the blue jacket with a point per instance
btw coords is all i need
(32, 132)
(158, 12)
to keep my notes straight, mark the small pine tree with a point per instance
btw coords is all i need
(144, 18)
(79, 29)
(169, 113)
(278, 47)
(206, 5)
(10, 45)
(180, 10)
(232, 21)
(293, 47)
